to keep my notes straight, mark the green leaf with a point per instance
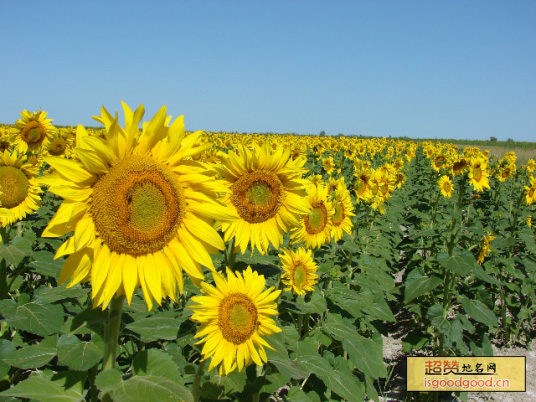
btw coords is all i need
(435, 315)
(156, 328)
(295, 394)
(418, 284)
(32, 317)
(479, 311)
(343, 383)
(365, 353)
(156, 363)
(77, 355)
(317, 304)
(151, 388)
(6, 348)
(280, 359)
(461, 264)
(44, 390)
(34, 356)
(44, 264)
(16, 250)
(44, 294)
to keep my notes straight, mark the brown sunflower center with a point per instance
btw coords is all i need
(237, 318)
(57, 146)
(33, 132)
(447, 187)
(317, 219)
(299, 276)
(257, 196)
(13, 186)
(138, 206)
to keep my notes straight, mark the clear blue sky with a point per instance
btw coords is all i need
(437, 69)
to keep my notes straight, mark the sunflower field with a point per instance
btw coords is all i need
(142, 262)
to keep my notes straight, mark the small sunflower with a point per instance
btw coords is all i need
(362, 186)
(266, 191)
(328, 165)
(34, 133)
(485, 247)
(300, 270)
(20, 193)
(141, 213)
(60, 144)
(342, 211)
(479, 173)
(445, 185)
(234, 316)
(530, 192)
(315, 227)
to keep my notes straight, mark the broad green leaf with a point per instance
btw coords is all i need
(156, 328)
(44, 294)
(295, 394)
(34, 356)
(461, 264)
(479, 311)
(16, 250)
(35, 318)
(418, 284)
(156, 363)
(344, 384)
(279, 357)
(6, 348)
(77, 355)
(44, 264)
(44, 390)
(151, 388)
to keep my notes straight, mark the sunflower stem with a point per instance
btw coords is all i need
(230, 256)
(3, 266)
(197, 381)
(111, 332)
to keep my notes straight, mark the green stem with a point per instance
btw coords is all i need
(197, 381)
(3, 266)
(111, 332)
(230, 256)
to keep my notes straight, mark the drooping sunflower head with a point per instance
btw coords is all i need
(300, 270)
(235, 316)
(20, 194)
(34, 132)
(315, 227)
(60, 144)
(439, 161)
(530, 192)
(141, 212)
(445, 186)
(266, 191)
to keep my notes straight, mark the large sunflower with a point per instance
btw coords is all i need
(141, 213)
(267, 193)
(19, 192)
(315, 227)
(34, 133)
(234, 315)
(300, 270)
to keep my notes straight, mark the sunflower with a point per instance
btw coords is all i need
(485, 248)
(530, 192)
(315, 227)
(328, 165)
(266, 191)
(531, 165)
(60, 145)
(459, 165)
(234, 315)
(445, 185)
(34, 133)
(479, 173)
(6, 139)
(20, 193)
(342, 211)
(140, 212)
(362, 185)
(438, 162)
(300, 270)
